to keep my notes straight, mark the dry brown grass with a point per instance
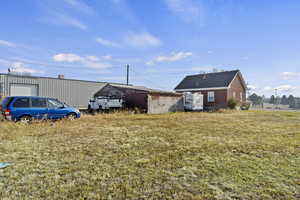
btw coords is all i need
(228, 155)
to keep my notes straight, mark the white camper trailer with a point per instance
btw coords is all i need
(193, 101)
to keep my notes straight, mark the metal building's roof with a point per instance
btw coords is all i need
(135, 87)
(67, 79)
(144, 89)
(209, 80)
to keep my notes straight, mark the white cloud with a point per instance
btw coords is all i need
(88, 61)
(203, 69)
(20, 67)
(95, 58)
(142, 40)
(290, 75)
(172, 58)
(106, 57)
(67, 57)
(7, 44)
(5, 62)
(79, 5)
(286, 88)
(106, 43)
(58, 18)
(268, 89)
(281, 88)
(97, 65)
(92, 58)
(136, 40)
(251, 87)
(188, 10)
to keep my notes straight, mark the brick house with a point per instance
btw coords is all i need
(217, 87)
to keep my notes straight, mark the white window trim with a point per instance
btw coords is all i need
(211, 94)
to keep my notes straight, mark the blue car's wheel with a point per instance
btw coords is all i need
(71, 116)
(26, 119)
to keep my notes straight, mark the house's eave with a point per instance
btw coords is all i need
(201, 89)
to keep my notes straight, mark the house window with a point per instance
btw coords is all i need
(211, 96)
(241, 96)
(234, 95)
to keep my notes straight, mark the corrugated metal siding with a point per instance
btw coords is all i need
(74, 92)
(2, 85)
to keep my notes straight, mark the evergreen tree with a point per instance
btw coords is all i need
(284, 100)
(292, 101)
(272, 100)
(256, 100)
(297, 103)
(263, 98)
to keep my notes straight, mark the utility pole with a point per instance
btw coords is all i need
(127, 74)
(276, 97)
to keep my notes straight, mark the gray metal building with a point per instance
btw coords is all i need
(73, 92)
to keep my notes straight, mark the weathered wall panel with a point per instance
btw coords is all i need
(164, 103)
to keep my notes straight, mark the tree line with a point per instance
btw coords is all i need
(291, 101)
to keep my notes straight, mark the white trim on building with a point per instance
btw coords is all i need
(201, 89)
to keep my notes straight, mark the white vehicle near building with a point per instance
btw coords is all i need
(193, 101)
(105, 103)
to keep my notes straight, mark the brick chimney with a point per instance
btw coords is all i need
(61, 76)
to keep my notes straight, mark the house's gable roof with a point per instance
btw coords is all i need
(209, 80)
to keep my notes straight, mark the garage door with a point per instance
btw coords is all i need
(23, 90)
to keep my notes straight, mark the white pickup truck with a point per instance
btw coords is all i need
(105, 103)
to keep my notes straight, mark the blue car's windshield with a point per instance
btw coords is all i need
(67, 105)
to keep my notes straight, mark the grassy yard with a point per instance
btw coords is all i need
(230, 155)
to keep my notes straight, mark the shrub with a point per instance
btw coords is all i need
(232, 103)
(245, 106)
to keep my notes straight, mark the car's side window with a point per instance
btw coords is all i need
(38, 103)
(52, 103)
(21, 103)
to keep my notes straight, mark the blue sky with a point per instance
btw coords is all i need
(162, 40)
